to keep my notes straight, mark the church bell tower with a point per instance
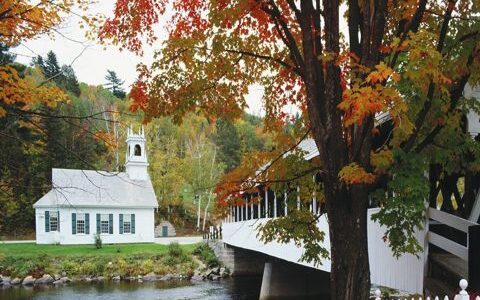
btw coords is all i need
(136, 163)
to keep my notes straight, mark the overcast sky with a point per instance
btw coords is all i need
(91, 60)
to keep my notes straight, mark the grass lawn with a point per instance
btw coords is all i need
(29, 250)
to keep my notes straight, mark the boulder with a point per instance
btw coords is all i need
(214, 277)
(59, 281)
(167, 277)
(150, 277)
(66, 279)
(28, 281)
(197, 277)
(223, 272)
(116, 278)
(56, 277)
(100, 278)
(45, 279)
(16, 281)
(87, 279)
(6, 281)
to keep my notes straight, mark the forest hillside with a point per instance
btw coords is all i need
(86, 129)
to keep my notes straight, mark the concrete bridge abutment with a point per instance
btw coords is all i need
(280, 279)
(285, 280)
(240, 262)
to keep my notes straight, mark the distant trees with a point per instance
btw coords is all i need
(228, 143)
(63, 76)
(115, 84)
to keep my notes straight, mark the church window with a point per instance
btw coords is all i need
(138, 150)
(53, 221)
(80, 223)
(127, 223)
(104, 224)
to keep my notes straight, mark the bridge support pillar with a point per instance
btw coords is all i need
(287, 280)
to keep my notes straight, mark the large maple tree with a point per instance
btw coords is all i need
(410, 59)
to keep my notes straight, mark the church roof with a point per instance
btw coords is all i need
(87, 188)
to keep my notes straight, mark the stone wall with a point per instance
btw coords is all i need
(239, 261)
(170, 229)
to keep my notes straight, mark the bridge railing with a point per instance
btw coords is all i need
(470, 252)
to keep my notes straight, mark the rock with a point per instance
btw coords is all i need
(59, 281)
(116, 278)
(87, 279)
(223, 272)
(56, 277)
(167, 277)
(16, 281)
(150, 277)
(6, 281)
(45, 279)
(197, 277)
(64, 274)
(140, 280)
(66, 279)
(100, 278)
(215, 277)
(28, 281)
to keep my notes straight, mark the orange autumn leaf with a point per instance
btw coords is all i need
(354, 174)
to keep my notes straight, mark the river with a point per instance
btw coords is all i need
(230, 288)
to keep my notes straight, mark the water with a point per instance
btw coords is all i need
(231, 288)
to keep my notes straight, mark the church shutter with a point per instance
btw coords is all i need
(58, 221)
(133, 223)
(47, 221)
(110, 223)
(120, 227)
(87, 223)
(74, 223)
(98, 223)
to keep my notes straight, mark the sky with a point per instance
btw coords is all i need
(91, 60)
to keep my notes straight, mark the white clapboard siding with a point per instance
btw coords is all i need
(405, 273)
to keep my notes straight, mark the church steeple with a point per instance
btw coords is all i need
(136, 163)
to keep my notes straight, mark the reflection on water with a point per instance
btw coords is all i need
(232, 288)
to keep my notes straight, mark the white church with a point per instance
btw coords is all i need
(117, 206)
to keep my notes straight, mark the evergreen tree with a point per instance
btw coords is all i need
(5, 56)
(115, 84)
(51, 69)
(69, 80)
(228, 143)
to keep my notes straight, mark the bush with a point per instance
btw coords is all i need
(69, 267)
(206, 254)
(174, 250)
(98, 241)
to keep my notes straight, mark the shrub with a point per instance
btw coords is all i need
(206, 254)
(98, 241)
(212, 261)
(175, 250)
(69, 267)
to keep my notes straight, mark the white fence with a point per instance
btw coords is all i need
(462, 295)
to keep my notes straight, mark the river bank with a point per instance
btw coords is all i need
(228, 288)
(33, 265)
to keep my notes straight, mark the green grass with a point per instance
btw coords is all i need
(19, 260)
(29, 250)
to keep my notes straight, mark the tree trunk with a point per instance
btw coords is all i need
(206, 210)
(350, 270)
(199, 211)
